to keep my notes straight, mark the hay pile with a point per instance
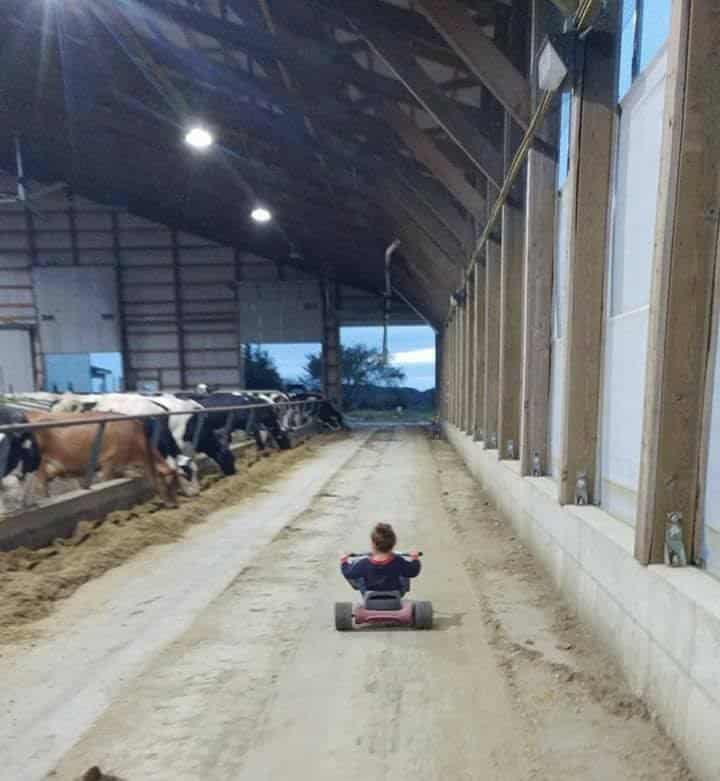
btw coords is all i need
(32, 581)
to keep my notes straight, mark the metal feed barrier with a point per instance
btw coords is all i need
(101, 422)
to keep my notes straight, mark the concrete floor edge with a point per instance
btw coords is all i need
(661, 624)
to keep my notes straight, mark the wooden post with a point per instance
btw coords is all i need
(479, 322)
(590, 169)
(492, 337)
(451, 367)
(332, 377)
(439, 355)
(684, 265)
(179, 313)
(511, 266)
(469, 358)
(456, 389)
(540, 203)
(461, 358)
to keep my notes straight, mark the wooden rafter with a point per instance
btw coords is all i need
(481, 56)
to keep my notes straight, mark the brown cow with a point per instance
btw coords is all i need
(65, 452)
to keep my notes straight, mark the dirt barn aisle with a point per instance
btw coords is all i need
(255, 684)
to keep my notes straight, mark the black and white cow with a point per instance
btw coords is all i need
(215, 434)
(17, 449)
(321, 408)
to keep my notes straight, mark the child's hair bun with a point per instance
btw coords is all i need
(383, 537)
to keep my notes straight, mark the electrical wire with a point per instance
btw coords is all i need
(579, 19)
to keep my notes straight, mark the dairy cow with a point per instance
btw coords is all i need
(322, 409)
(66, 452)
(18, 450)
(169, 437)
(215, 433)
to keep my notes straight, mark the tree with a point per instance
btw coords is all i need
(360, 365)
(260, 370)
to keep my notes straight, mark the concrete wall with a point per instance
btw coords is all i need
(661, 624)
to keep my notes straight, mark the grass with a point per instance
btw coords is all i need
(406, 416)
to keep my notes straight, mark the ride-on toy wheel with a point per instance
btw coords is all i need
(343, 616)
(423, 615)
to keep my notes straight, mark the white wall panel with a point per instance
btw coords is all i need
(623, 399)
(711, 479)
(630, 265)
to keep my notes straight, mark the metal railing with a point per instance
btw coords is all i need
(102, 420)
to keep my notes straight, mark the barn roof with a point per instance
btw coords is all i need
(355, 121)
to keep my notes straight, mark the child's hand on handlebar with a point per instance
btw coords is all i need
(343, 556)
(414, 554)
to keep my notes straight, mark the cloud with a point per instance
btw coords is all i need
(423, 356)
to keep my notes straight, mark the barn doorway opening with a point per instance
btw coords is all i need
(404, 387)
(84, 372)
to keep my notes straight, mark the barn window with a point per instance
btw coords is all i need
(644, 30)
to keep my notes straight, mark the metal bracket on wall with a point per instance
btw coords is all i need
(536, 465)
(676, 556)
(582, 494)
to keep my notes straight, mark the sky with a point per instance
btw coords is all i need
(412, 349)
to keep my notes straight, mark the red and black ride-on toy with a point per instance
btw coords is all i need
(383, 608)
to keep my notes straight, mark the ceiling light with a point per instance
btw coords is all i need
(199, 138)
(261, 214)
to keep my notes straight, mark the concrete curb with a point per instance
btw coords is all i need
(39, 526)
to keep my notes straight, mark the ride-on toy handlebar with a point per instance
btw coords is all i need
(364, 555)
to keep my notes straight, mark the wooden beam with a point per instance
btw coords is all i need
(458, 368)
(469, 310)
(426, 151)
(417, 212)
(593, 116)
(461, 372)
(179, 309)
(481, 56)
(436, 199)
(684, 265)
(448, 114)
(567, 7)
(492, 338)
(510, 369)
(451, 328)
(437, 407)
(540, 203)
(479, 350)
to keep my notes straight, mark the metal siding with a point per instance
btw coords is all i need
(16, 369)
(280, 312)
(78, 299)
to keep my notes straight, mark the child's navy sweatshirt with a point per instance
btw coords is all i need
(381, 575)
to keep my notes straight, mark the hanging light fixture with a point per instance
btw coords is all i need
(261, 215)
(199, 138)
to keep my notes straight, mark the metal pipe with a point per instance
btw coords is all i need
(98, 418)
(388, 294)
(579, 20)
(22, 194)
